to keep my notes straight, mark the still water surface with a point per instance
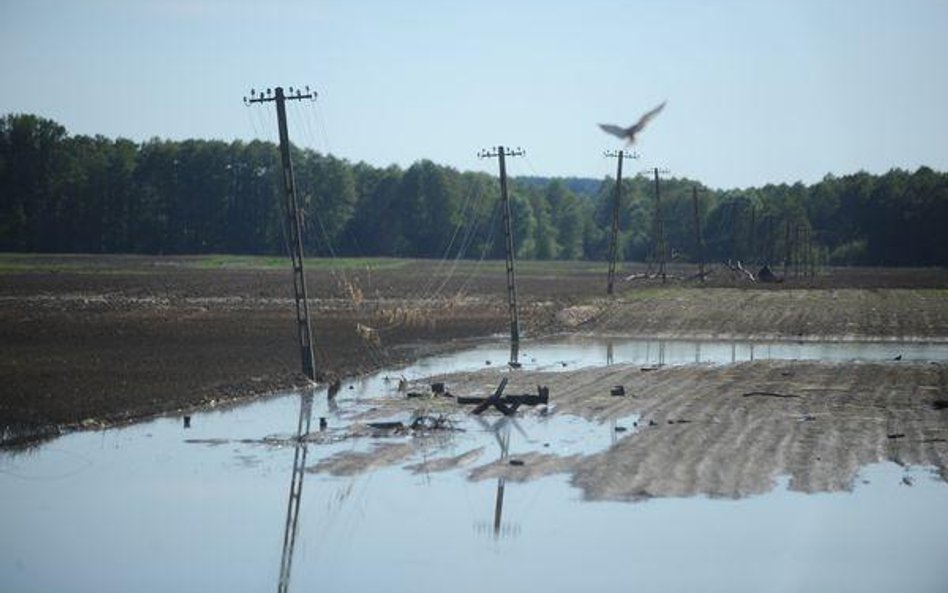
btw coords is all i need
(155, 507)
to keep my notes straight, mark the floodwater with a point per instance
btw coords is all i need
(225, 505)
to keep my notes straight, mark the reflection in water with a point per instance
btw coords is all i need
(501, 431)
(296, 490)
(515, 354)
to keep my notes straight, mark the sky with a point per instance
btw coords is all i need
(758, 91)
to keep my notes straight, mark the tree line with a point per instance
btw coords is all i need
(75, 193)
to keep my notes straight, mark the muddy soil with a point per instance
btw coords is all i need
(721, 431)
(87, 341)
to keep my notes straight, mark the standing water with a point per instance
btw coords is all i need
(156, 507)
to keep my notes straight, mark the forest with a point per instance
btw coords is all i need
(67, 193)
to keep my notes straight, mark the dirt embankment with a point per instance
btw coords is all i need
(86, 340)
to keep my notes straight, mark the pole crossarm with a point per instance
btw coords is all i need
(495, 152)
(269, 95)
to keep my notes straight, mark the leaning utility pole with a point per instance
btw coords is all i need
(613, 245)
(293, 220)
(500, 152)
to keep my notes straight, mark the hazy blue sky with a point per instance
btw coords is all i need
(758, 91)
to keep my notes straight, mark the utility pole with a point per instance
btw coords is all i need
(293, 220)
(786, 250)
(698, 237)
(501, 153)
(753, 236)
(614, 244)
(660, 249)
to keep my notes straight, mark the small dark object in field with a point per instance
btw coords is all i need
(323, 423)
(334, 388)
(437, 388)
(517, 462)
(769, 394)
(413, 394)
(940, 404)
(621, 429)
(351, 387)
(386, 425)
(440, 422)
(766, 275)
(487, 362)
(187, 422)
(899, 357)
(617, 390)
(907, 481)
(652, 423)
(563, 364)
(897, 435)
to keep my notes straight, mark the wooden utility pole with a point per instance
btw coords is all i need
(293, 220)
(753, 236)
(699, 240)
(786, 251)
(501, 153)
(660, 249)
(614, 244)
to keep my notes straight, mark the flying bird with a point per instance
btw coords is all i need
(630, 132)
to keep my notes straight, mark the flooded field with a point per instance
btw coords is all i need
(235, 502)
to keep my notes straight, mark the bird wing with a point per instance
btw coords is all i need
(646, 118)
(614, 130)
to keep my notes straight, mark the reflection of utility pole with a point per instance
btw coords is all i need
(294, 225)
(613, 245)
(501, 430)
(660, 249)
(500, 152)
(296, 492)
